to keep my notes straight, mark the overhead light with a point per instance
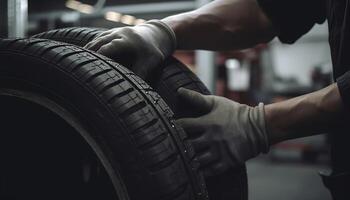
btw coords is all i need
(113, 16)
(232, 64)
(139, 21)
(85, 8)
(125, 19)
(128, 19)
(72, 4)
(78, 6)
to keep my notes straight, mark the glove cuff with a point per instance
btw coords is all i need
(170, 33)
(264, 141)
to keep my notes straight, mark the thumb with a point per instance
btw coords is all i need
(117, 49)
(201, 102)
(119, 52)
(146, 68)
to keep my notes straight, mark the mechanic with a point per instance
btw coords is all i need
(231, 133)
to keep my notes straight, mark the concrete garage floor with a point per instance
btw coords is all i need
(285, 181)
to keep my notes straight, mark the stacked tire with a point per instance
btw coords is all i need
(130, 129)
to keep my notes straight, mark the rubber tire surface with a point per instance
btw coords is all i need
(128, 120)
(232, 184)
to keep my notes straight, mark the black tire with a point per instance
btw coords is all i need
(232, 184)
(129, 126)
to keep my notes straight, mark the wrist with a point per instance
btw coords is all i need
(184, 27)
(167, 39)
(271, 128)
(252, 122)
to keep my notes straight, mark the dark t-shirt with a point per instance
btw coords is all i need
(294, 18)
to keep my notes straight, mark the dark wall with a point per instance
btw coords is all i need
(3, 19)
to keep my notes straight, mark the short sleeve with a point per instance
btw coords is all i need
(344, 89)
(293, 18)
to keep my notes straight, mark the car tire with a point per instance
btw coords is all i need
(232, 184)
(130, 127)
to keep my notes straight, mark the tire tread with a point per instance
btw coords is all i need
(156, 147)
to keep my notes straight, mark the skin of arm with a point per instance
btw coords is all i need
(222, 25)
(306, 115)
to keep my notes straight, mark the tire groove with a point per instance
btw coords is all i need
(133, 108)
(78, 33)
(114, 83)
(154, 142)
(75, 68)
(97, 74)
(185, 85)
(68, 31)
(145, 126)
(166, 162)
(32, 43)
(64, 56)
(12, 42)
(123, 93)
(53, 34)
(91, 37)
(172, 75)
(88, 36)
(47, 49)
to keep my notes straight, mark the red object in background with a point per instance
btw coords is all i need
(186, 57)
(252, 55)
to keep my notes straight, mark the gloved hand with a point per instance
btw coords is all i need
(141, 48)
(227, 135)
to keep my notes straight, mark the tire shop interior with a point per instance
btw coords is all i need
(42, 157)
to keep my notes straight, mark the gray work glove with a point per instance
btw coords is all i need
(227, 135)
(141, 48)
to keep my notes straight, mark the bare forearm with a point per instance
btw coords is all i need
(306, 115)
(222, 25)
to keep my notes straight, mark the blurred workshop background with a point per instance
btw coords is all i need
(266, 73)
